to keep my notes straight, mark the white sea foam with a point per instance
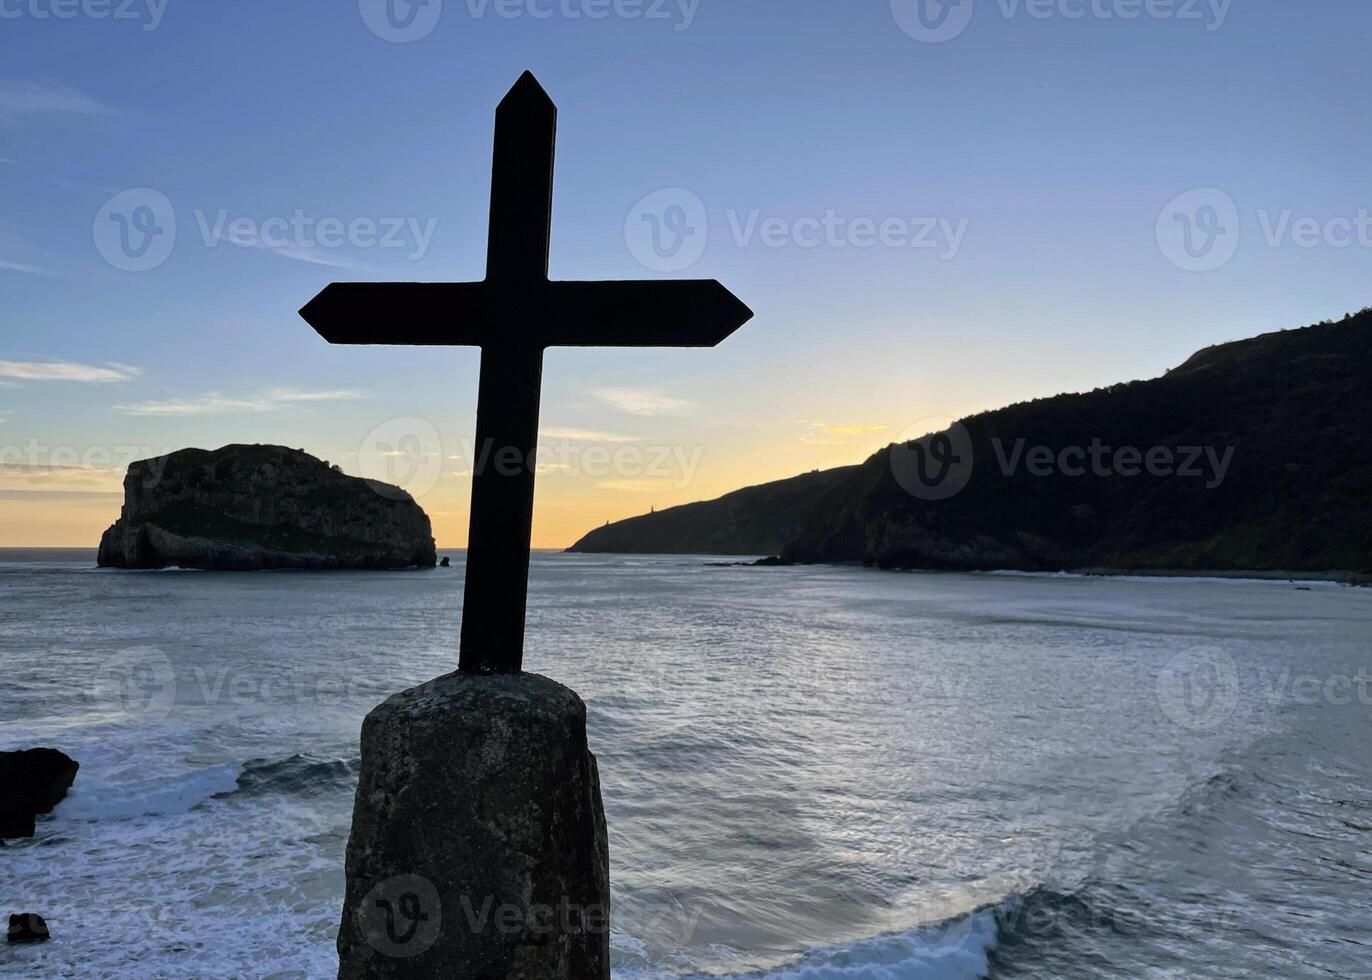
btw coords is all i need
(953, 950)
(164, 795)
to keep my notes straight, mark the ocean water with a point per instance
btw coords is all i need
(809, 773)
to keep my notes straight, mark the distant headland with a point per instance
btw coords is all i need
(1251, 456)
(246, 508)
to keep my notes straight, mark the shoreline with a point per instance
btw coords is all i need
(1353, 579)
(1277, 575)
(1337, 577)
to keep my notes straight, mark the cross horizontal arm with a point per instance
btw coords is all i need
(403, 313)
(670, 313)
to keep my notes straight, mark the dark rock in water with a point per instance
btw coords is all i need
(773, 562)
(32, 781)
(245, 508)
(27, 928)
(445, 563)
(478, 845)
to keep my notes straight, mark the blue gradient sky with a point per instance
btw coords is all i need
(1057, 141)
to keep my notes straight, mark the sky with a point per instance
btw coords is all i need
(934, 209)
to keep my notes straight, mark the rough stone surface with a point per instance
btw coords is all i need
(478, 845)
(32, 781)
(244, 508)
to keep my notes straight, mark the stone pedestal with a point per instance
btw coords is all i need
(478, 846)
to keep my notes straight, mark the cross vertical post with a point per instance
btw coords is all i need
(503, 471)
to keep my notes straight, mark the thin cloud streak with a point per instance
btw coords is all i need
(40, 98)
(305, 255)
(34, 270)
(216, 404)
(828, 429)
(292, 252)
(67, 371)
(853, 430)
(641, 402)
(584, 435)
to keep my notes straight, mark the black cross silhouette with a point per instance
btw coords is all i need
(513, 315)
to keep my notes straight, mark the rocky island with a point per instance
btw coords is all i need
(246, 508)
(1250, 457)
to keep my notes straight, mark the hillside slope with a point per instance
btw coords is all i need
(1253, 456)
(754, 521)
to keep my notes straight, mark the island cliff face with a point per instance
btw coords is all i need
(1264, 463)
(245, 508)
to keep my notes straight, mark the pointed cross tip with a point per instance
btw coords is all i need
(731, 313)
(741, 311)
(526, 90)
(310, 311)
